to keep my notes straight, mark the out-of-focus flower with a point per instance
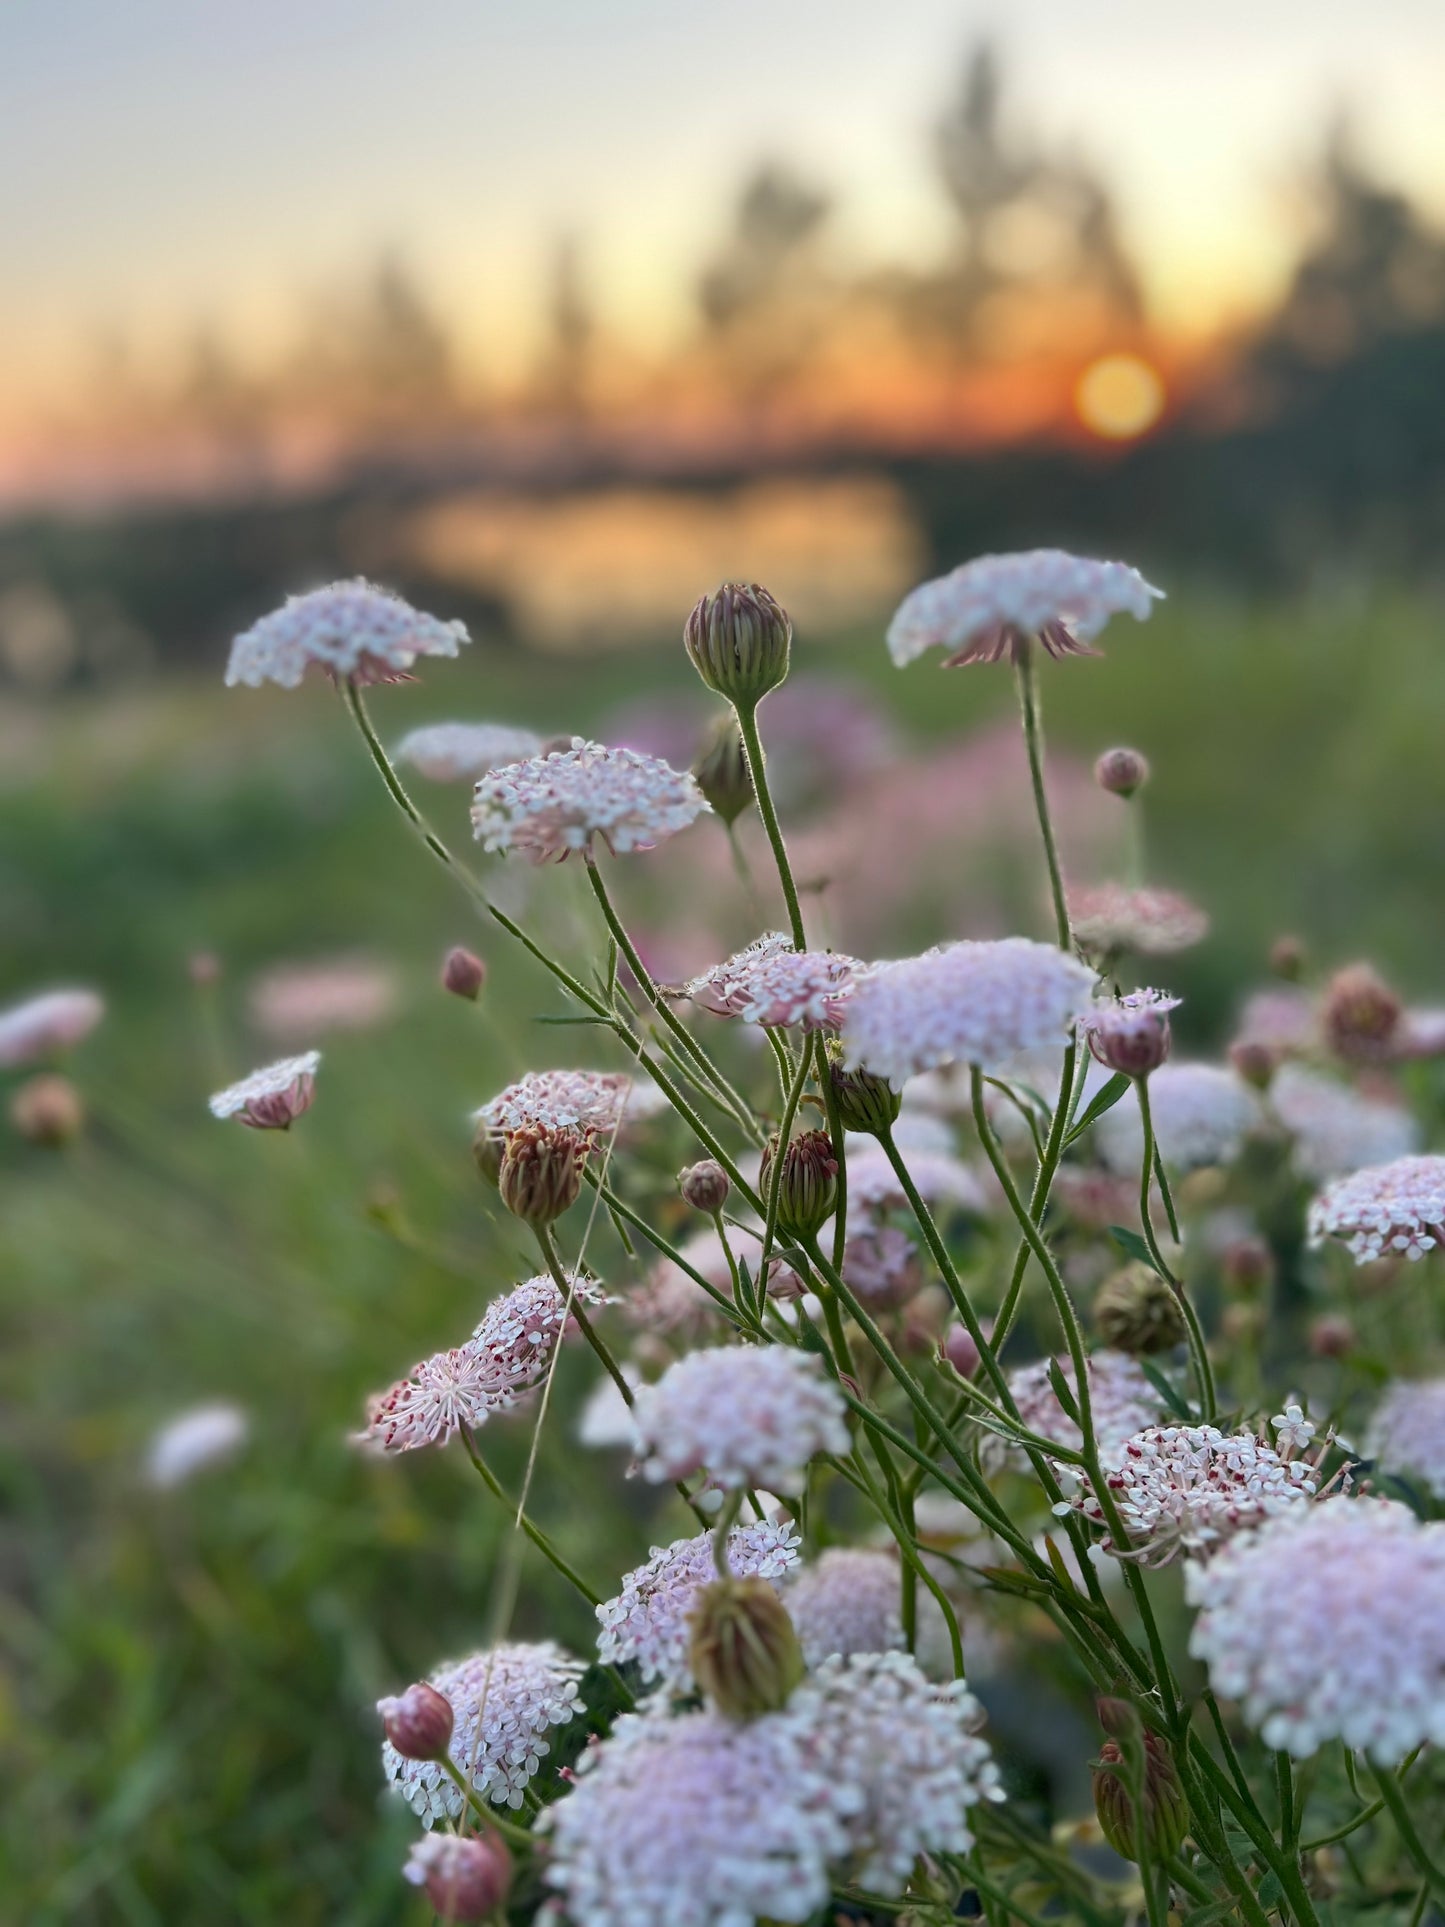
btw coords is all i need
(753, 1415)
(1107, 918)
(721, 771)
(1407, 1433)
(1335, 1128)
(1421, 1034)
(1282, 1021)
(560, 1100)
(938, 1176)
(271, 1099)
(1201, 1115)
(467, 1876)
(993, 607)
(1352, 1649)
(738, 640)
(351, 630)
(463, 973)
(48, 1110)
(1121, 771)
(669, 1300)
(1121, 1397)
(202, 1436)
(743, 1649)
(293, 1001)
(1137, 1311)
(54, 1021)
(1332, 1335)
(1183, 1488)
(961, 1350)
(1385, 1211)
(1360, 1016)
(970, 1003)
(881, 1265)
(505, 1701)
(648, 1620)
(418, 1721)
(775, 986)
(846, 1602)
(605, 1421)
(550, 807)
(1130, 1033)
(464, 752)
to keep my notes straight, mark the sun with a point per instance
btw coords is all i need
(1119, 397)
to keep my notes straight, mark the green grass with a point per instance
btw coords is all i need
(186, 1681)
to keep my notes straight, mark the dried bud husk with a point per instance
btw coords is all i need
(1137, 1312)
(1166, 1812)
(418, 1722)
(744, 1652)
(721, 770)
(704, 1186)
(541, 1173)
(738, 640)
(1360, 1015)
(1121, 771)
(463, 973)
(865, 1102)
(48, 1110)
(807, 1183)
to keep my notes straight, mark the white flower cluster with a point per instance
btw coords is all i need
(1336, 1129)
(1183, 1488)
(991, 606)
(272, 1097)
(351, 630)
(550, 807)
(939, 1177)
(1407, 1433)
(701, 1821)
(1326, 1624)
(754, 1415)
(969, 1003)
(648, 1620)
(193, 1440)
(1385, 1211)
(771, 984)
(847, 1601)
(1122, 1400)
(464, 752)
(504, 1701)
(40, 1026)
(1201, 1115)
(561, 1100)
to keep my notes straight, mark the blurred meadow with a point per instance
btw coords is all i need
(187, 1676)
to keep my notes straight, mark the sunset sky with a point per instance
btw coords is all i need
(164, 162)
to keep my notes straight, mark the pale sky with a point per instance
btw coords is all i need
(164, 161)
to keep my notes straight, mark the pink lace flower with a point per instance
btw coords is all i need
(591, 1101)
(777, 987)
(1107, 918)
(1337, 1129)
(847, 1601)
(54, 1021)
(1123, 1401)
(1407, 1433)
(352, 631)
(992, 607)
(754, 1415)
(552, 806)
(1385, 1211)
(726, 988)
(272, 1098)
(298, 1000)
(465, 752)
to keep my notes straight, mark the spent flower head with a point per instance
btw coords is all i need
(754, 1415)
(41, 1026)
(352, 631)
(994, 607)
(551, 807)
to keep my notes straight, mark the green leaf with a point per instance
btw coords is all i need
(1024, 1584)
(1270, 1892)
(606, 1022)
(1105, 1101)
(1131, 1242)
(1063, 1391)
(1169, 1393)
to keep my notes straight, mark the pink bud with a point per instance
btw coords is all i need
(463, 973)
(418, 1722)
(1332, 1336)
(1121, 771)
(466, 1876)
(960, 1350)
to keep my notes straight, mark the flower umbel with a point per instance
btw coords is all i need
(1385, 1211)
(753, 1415)
(272, 1098)
(351, 630)
(551, 807)
(993, 607)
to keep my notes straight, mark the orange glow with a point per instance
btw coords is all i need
(1119, 397)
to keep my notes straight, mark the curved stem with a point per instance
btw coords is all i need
(1043, 1185)
(747, 714)
(534, 1532)
(1405, 1826)
(1198, 1350)
(552, 1259)
(1034, 742)
(775, 1173)
(509, 1830)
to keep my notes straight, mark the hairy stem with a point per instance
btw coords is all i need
(747, 714)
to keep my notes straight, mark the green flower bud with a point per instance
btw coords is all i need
(807, 1184)
(738, 641)
(1166, 1812)
(744, 1652)
(721, 770)
(865, 1102)
(1137, 1312)
(541, 1173)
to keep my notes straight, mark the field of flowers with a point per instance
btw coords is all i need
(1197, 1590)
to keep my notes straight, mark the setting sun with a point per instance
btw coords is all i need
(1119, 397)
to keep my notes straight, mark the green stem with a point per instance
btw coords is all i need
(775, 1174)
(1198, 1350)
(552, 1258)
(1043, 1185)
(1032, 712)
(535, 1533)
(485, 1811)
(840, 1152)
(1284, 1866)
(1405, 1826)
(747, 714)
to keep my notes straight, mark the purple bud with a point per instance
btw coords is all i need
(704, 1186)
(463, 973)
(960, 1350)
(418, 1722)
(465, 1876)
(1121, 771)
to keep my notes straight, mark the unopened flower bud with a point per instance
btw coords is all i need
(1131, 1034)
(48, 1110)
(1254, 1061)
(1166, 1811)
(721, 771)
(744, 1652)
(541, 1173)
(466, 1876)
(488, 1146)
(463, 974)
(1332, 1336)
(1248, 1265)
(807, 1182)
(1287, 958)
(1121, 771)
(1360, 1014)
(418, 1722)
(738, 641)
(1137, 1312)
(704, 1186)
(960, 1350)
(865, 1102)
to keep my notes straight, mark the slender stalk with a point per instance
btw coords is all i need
(747, 714)
(1405, 1826)
(840, 1152)
(775, 1174)
(534, 1532)
(1043, 1185)
(1032, 712)
(552, 1259)
(1284, 1866)
(485, 1811)
(1198, 1350)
